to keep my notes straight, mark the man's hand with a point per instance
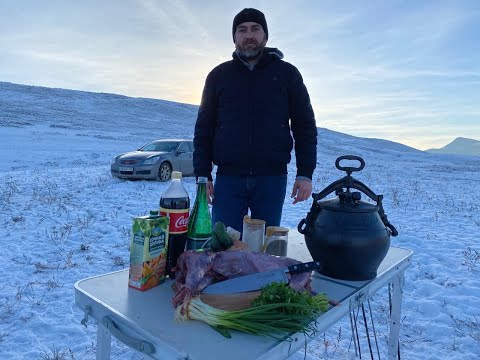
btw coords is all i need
(302, 189)
(210, 191)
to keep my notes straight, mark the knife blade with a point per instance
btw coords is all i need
(256, 281)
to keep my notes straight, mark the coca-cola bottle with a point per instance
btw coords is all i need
(175, 204)
(200, 221)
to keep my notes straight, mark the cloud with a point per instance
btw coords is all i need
(65, 58)
(382, 72)
(175, 19)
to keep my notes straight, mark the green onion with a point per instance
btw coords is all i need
(278, 312)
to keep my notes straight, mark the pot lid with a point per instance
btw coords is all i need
(350, 207)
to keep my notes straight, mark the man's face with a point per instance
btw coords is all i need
(250, 40)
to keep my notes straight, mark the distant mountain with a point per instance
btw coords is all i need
(460, 146)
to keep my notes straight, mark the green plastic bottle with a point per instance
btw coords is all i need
(200, 221)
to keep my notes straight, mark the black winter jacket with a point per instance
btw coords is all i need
(243, 120)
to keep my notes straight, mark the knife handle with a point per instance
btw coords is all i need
(304, 267)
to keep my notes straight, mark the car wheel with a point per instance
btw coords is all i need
(165, 171)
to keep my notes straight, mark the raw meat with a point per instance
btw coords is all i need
(196, 270)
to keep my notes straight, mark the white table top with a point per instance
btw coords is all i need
(150, 315)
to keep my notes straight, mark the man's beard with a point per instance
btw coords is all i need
(251, 53)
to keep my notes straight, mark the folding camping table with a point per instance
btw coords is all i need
(145, 320)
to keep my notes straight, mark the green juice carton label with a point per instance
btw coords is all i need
(148, 251)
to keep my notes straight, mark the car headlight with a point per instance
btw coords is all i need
(151, 161)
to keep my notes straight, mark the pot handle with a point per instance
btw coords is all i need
(349, 169)
(302, 230)
(345, 182)
(309, 220)
(392, 229)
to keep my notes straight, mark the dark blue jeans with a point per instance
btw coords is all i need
(235, 195)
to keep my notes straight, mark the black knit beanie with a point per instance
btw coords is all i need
(249, 14)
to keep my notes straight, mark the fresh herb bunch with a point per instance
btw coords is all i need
(281, 293)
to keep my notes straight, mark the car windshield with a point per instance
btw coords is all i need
(164, 146)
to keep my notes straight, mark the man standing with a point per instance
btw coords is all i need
(250, 108)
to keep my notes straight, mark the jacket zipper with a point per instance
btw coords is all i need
(250, 133)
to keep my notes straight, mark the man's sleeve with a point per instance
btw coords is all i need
(303, 126)
(204, 130)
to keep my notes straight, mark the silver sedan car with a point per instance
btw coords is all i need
(155, 160)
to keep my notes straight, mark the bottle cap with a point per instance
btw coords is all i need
(177, 175)
(154, 212)
(202, 179)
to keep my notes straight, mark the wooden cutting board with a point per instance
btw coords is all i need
(237, 301)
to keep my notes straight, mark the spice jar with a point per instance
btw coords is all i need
(253, 233)
(277, 241)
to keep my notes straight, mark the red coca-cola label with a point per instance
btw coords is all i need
(178, 220)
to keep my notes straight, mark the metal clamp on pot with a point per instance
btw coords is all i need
(349, 237)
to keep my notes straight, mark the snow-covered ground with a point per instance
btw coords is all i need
(63, 218)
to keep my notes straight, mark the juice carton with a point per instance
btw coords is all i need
(148, 251)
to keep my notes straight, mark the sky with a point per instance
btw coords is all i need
(406, 71)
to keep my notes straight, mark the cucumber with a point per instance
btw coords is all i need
(220, 238)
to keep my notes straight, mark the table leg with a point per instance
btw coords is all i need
(104, 342)
(397, 285)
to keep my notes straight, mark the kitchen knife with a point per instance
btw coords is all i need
(256, 281)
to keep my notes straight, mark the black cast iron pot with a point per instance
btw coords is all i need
(349, 237)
